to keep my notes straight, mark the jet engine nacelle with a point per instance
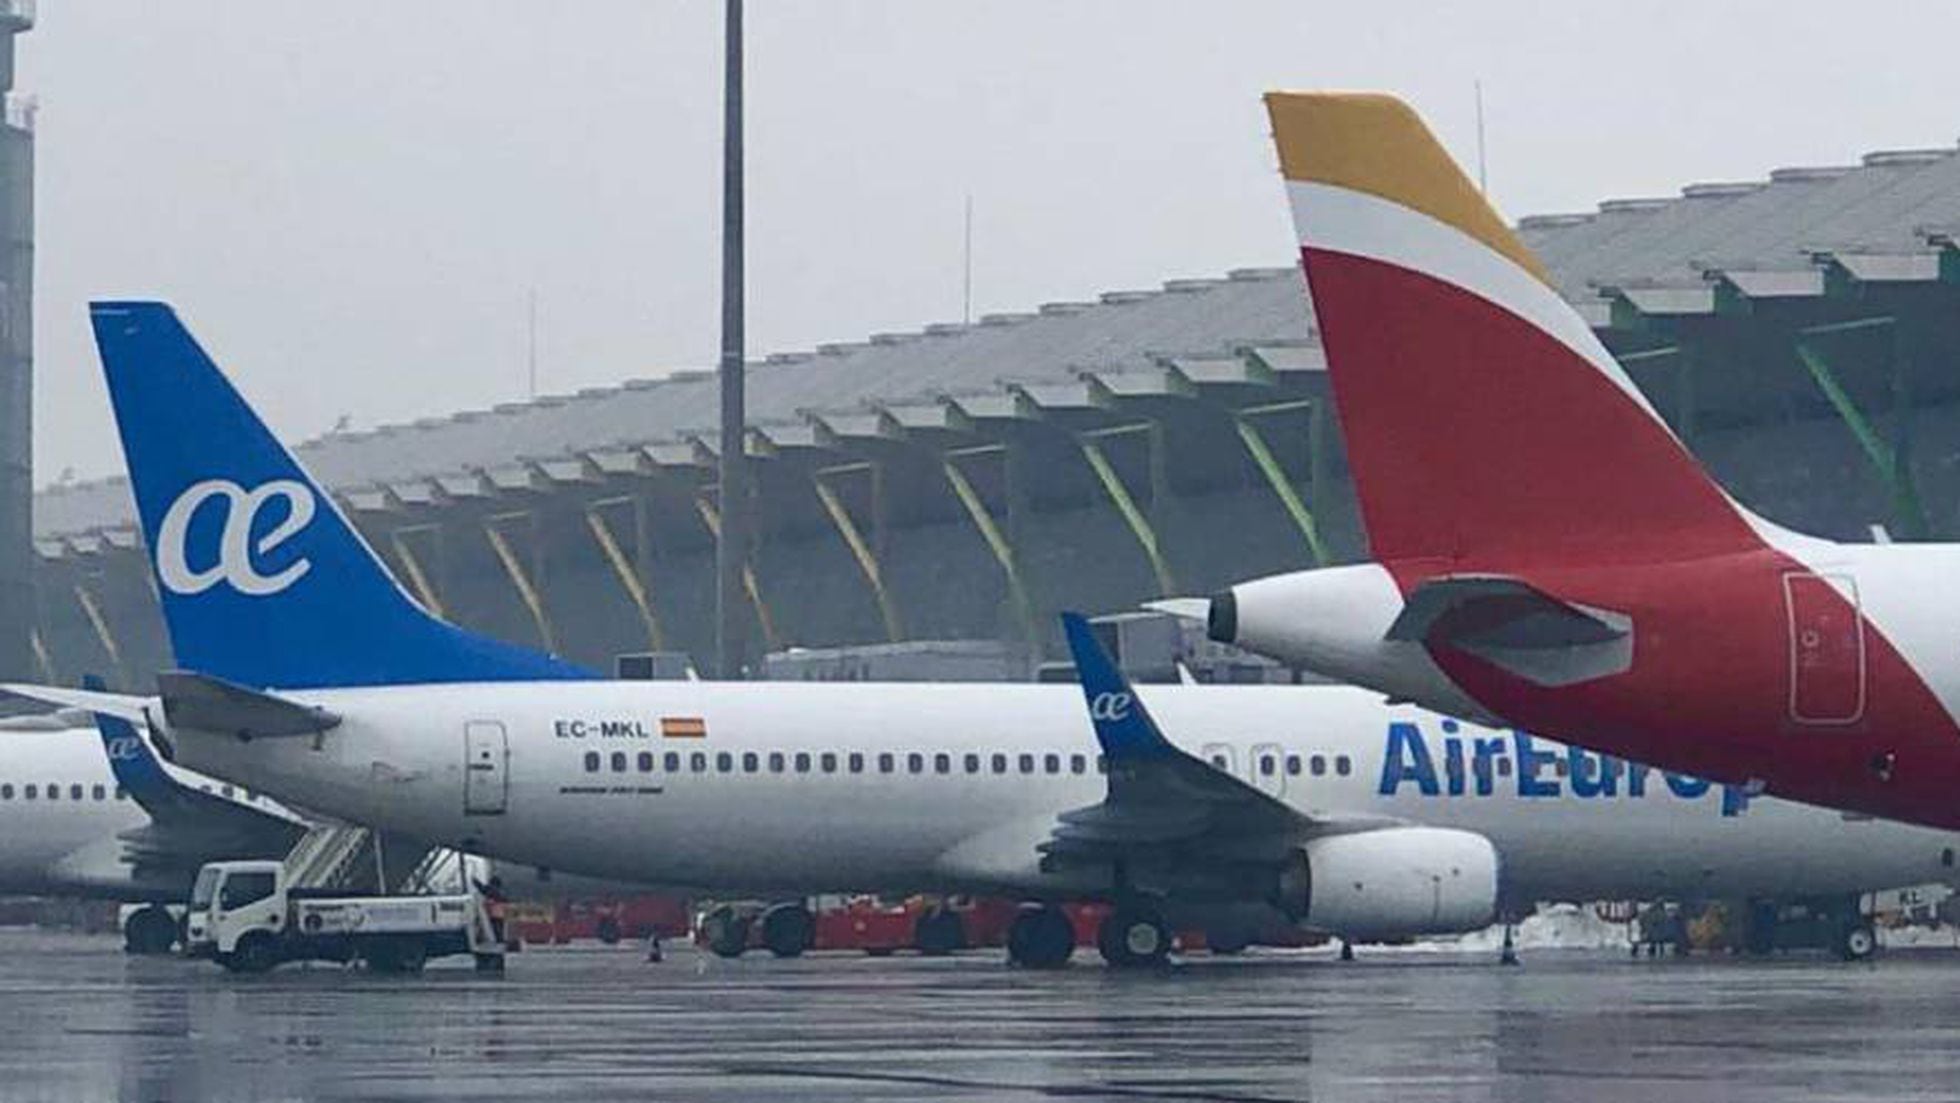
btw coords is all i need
(1395, 882)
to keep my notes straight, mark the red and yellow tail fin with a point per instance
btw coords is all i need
(1486, 425)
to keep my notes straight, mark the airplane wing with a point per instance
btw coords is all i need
(1162, 798)
(198, 701)
(192, 820)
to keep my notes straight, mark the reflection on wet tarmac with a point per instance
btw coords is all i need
(79, 1021)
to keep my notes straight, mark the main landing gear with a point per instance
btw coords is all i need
(1134, 935)
(1041, 937)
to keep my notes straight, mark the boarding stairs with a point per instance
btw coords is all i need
(360, 860)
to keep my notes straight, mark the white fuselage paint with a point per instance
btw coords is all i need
(397, 761)
(60, 845)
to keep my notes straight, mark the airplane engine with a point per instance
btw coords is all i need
(1395, 882)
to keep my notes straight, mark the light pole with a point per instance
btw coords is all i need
(731, 551)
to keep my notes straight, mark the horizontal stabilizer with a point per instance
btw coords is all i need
(1518, 628)
(210, 704)
(123, 705)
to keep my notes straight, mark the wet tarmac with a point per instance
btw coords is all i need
(80, 1021)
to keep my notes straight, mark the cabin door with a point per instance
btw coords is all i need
(1827, 649)
(486, 768)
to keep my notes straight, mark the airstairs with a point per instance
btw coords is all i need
(345, 858)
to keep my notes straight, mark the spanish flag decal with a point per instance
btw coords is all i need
(683, 727)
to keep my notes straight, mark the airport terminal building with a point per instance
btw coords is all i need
(966, 482)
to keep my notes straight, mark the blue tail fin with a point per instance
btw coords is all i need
(263, 581)
(1123, 725)
(135, 768)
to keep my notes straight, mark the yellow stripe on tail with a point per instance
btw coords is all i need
(1375, 143)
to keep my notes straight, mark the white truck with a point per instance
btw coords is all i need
(244, 916)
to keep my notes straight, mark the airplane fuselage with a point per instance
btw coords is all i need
(806, 787)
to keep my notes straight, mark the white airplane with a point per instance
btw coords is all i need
(102, 818)
(1220, 807)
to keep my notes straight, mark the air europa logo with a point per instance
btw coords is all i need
(1110, 707)
(233, 562)
(123, 749)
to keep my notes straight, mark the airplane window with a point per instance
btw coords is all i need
(973, 764)
(886, 762)
(1218, 760)
(28, 794)
(54, 792)
(775, 762)
(999, 763)
(1343, 765)
(802, 761)
(828, 762)
(1293, 765)
(1052, 763)
(698, 762)
(724, 762)
(1946, 856)
(121, 794)
(916, 763)
(1102, 765)
(1077, 764)
(1267, 767)
(751, 762)
(1319, 764)
(856, 762)
(619, 762)
(673, 762)
(646, 762)
(1027, 764)
(942, 763)
(7, 793)
(224, 789)
(100, 792)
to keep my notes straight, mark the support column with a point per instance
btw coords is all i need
(1887, 458)
(17, 556)
(418, 578)
(631, 574)
(520, 579)
(1289, 497)
(99, 623)
(998, 543)
(711, 517)
(1139, 524)
(867, 560)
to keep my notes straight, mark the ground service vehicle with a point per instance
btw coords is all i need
(244, 916)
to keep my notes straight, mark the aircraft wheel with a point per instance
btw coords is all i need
(1041, 937)
(1133, 935)
(150, 932)
(725, 932)
(788, 930)
(1857, 942)
(406, 955)
(939, 931)
(608, 931)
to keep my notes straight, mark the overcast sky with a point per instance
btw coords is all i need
(351, 202)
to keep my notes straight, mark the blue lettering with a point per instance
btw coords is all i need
(1453, 765)
(1637, 779)
(1529, 763)
(1488, 753)
(1407, 758)
(1686, 787)
(1593, 776)
(1735, 800)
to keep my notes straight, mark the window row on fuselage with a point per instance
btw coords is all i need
(53, 790)
(918, 762)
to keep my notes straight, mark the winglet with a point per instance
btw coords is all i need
(132, 762)
(1123, 725)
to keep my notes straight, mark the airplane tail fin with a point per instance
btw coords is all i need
(1486, 424)
(263, 581)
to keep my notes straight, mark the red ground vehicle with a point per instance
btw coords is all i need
(609, 921)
